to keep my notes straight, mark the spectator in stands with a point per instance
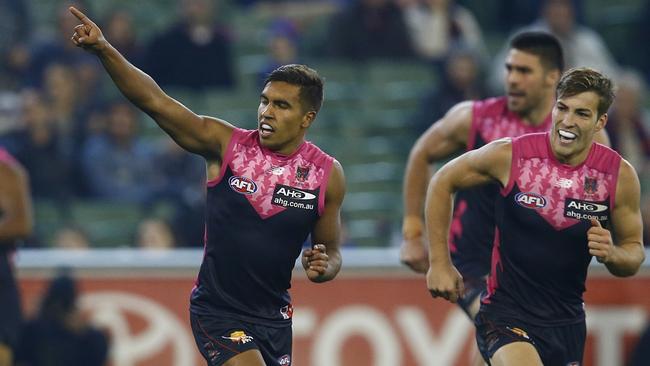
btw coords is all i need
(57, 50)
(153, 233)
(193, 53)
(118, 164)
(121, 32)
(369, 29)
(461, 81)
(583, 46)
(181, 182)
(37, 145)
(642, 37)
(282, 47)
(59, 335)
(71, 237)
(628, 122)
(16, 27)
(439, 26)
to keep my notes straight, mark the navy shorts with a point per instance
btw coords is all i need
(559, 345)
(220, 339)
(473, 289)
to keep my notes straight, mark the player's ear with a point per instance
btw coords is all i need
(308, 118)
(553, 76)
(601, 122)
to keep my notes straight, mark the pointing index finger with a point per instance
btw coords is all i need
(81, 16)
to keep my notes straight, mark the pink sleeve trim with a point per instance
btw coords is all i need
(513, 164)
(612, 196)
(473, 130)
(236, 134)
(326, 180)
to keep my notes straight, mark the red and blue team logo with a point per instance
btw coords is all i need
(242, 185)
(530, 200)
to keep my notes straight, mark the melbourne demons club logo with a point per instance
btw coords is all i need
(286, 311)
(302, 172)
(285, 360)
(591, 185)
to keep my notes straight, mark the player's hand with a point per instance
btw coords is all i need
(315, 261)
(413, 251)
(87, 35)
(600, 242)
(414, 254)
(445, 281)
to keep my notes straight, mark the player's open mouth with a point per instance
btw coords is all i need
(516, 94)
(566, 136)
(266, 130)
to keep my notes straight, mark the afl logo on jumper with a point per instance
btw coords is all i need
(530, 200)
(242, 185)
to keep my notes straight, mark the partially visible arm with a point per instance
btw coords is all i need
(205, 136)
(624, 257)
(444, 138)
(15, 204)
(477, 167)
(323, 261)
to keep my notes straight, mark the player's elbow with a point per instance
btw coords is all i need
(631, 267)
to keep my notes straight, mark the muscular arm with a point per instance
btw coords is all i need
(477, 167)
(205, 136)
(626, 254)
(444, 138)
(15, 204)
(323, 262)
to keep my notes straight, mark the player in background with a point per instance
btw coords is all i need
(16, 223)
(533, 67)
(267, 190)
(563, 198)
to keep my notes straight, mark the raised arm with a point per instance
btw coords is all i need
(16, 220)
(624, 254)
(205, 136)
(477, 167)
(322, 262)
(444, 138)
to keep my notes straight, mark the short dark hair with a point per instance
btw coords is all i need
(310, 83)
(584, 79)
(543, 45)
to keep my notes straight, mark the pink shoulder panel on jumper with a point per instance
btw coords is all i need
(308, 169)
(536, 172)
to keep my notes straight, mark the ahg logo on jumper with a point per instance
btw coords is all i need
(287, 196)
(586, 210)
(530, 200)
(242, 185)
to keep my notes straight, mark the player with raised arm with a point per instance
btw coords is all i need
(268, 189)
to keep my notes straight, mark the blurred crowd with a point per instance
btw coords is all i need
(80, 141)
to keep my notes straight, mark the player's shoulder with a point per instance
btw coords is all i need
(626, 171)
(489, 106)
(316, 153)
(9, 166)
